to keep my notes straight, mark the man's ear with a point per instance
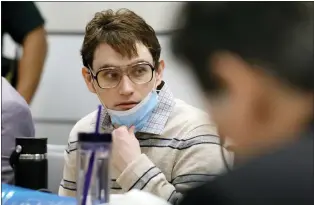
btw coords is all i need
(88, 79)
(160, 72)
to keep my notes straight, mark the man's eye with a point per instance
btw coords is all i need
(140, 70)
(110, 74)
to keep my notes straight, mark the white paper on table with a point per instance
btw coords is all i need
(136, 197)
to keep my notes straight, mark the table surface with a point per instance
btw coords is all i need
(136, 197)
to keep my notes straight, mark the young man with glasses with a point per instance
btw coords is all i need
(159, 142)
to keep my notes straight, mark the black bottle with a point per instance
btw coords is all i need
(30, 164)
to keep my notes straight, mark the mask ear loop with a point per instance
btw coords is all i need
(155, 87)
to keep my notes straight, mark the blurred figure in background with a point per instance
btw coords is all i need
(16, 121)
(254, 60)
(159, 142)
(24, 23)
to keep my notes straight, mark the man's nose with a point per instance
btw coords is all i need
(126, 86)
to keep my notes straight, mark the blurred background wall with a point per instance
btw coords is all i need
(62, 97)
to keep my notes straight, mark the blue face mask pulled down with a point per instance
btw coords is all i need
(137, 115)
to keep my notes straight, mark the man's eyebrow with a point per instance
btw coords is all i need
(139, 61)
(107, 65)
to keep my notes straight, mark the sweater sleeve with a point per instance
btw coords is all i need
(68, 183)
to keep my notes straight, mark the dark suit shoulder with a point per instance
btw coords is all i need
(285, 176)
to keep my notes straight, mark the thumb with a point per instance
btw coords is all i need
(132, 129)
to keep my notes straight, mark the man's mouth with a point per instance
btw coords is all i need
(126, 105)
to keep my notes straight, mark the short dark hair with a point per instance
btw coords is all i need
(277, 36)
(121, 30)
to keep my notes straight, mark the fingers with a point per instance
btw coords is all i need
(132, 129)
(122, 130)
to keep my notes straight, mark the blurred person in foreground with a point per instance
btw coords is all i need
(24, 23)
(16, 121)
(254, 60)
(159, 142)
